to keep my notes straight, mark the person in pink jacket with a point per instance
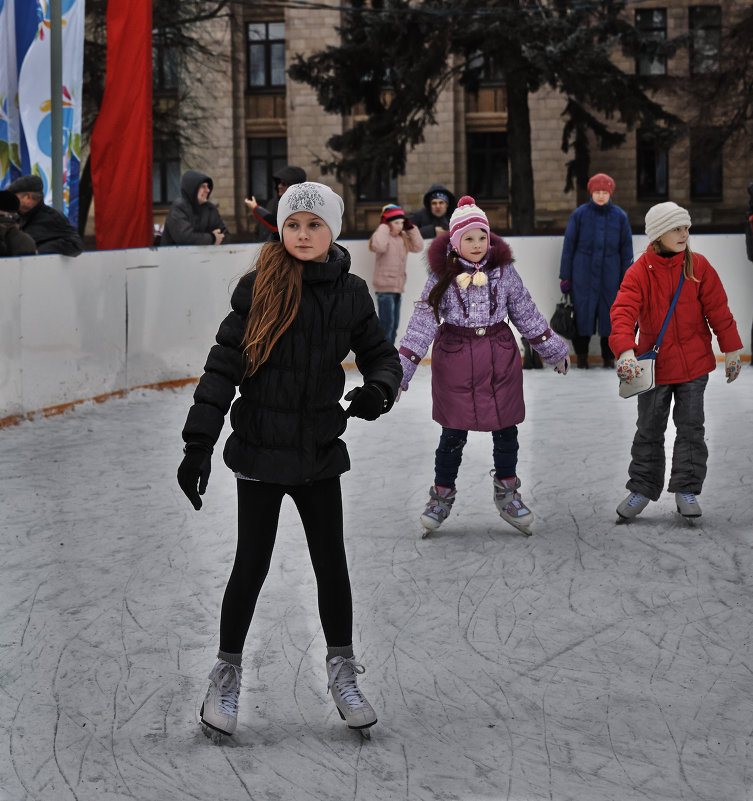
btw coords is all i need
(394, 238)
(683, 362)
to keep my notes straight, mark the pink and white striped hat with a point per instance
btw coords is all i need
(466, 217)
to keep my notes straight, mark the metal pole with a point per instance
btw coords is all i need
(56, 100)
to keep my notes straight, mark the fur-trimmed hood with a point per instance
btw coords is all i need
(499, 254)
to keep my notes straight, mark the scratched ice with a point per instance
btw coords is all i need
(592, 661)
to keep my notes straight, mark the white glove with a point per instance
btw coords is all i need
(562, 366)
(732, 365)
(628, 367)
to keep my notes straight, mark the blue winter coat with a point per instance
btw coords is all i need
(596, 253)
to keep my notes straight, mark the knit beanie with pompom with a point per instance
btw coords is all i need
(466, 217)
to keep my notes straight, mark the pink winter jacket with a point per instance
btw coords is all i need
(392, 256)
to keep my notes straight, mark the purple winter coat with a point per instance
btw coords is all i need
(477, 374)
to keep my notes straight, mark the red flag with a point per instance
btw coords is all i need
(121, 142)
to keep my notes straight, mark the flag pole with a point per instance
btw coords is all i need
(56, 101)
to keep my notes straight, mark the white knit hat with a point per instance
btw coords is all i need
(664, 217)
(315, 198)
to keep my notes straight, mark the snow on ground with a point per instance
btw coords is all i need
(591, 661)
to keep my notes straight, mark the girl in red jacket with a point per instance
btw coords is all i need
(683, 363)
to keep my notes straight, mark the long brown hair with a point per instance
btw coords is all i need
(276, 298)
(687, 261)
(451, 270)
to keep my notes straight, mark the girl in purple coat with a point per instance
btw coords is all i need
(477, 375)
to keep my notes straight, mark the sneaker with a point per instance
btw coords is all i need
(509, 503)
(632, 506)
(220, 708)
(354, 709)
(438, 507)
(687, 504)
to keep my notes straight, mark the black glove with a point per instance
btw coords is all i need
(367, 402)
(407, 225)
(193, 470)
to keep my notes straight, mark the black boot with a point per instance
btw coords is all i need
(583, 361)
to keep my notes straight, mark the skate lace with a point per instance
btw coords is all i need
(688, 497)
(345, 681)
(227, 677)
(637, 498)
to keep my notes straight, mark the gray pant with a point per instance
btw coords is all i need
(690, 452)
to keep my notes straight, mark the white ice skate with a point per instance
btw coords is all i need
(632, 506)
(354, 709)
(219, 712)
(687, 504)
(437, 509)
(510, 505)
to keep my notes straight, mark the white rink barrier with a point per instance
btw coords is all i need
(106, 322)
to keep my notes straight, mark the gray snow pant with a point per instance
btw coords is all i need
(690, 452)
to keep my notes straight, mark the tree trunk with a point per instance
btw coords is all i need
(522, 206)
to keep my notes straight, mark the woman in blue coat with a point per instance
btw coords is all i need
(597, 250)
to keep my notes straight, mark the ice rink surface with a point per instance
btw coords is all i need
(591, 661)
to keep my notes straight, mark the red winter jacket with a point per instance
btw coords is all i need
(644, 297)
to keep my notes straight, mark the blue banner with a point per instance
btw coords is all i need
(25, 103)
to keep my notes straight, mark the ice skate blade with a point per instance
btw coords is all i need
(215, 735)
(523, 529)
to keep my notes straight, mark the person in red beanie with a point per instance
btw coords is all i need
(596, 252)
(394, 238)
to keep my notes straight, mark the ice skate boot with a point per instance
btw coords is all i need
(438, 508)
(219, 712)
(632, 506)
(510, 505)
(687, 504)
(354, 709)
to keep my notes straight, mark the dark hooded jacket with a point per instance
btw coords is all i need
(425, 221)
(189, 222)
(266, 216)
(288, 420)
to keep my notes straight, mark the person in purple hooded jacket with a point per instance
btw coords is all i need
(476, 370)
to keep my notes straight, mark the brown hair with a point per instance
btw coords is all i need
(451, 270)
(276, 298)
(687, 261)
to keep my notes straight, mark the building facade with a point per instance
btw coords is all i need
(255, 120)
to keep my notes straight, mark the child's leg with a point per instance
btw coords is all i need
(505, 451)
(690, 452)
(448, 456)
(397, 297)
(320, 507)
(386, 312)
(647, 464)
(258, 514)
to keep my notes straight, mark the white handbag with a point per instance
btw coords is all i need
(644, 382)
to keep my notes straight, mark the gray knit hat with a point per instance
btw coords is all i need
(26, 183)
(664, 217)
(315, 198)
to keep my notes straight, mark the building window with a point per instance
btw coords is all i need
(705, 38)
(652, 168)
(165, 171)
(380, 188)
(266, 155)
(266, 54)
(652, 26)
(487, 165)
(165, 63)
(489, 68)
(706, 145)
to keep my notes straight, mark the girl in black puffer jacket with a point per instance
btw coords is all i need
(294, 320)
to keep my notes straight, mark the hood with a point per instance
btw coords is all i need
(439, 188)
(289, 175)
(499, 253)
(190, 183)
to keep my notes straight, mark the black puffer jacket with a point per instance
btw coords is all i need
(288, 419)
(189, 222)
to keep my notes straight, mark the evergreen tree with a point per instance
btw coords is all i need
(395, 57)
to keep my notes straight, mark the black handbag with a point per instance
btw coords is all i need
(563, 319)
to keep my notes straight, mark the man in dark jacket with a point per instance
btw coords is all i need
(193, 219)
(49, 228)
(434, 217)
(266, 217)
(13, 241)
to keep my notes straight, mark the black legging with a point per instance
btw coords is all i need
(320, 507)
